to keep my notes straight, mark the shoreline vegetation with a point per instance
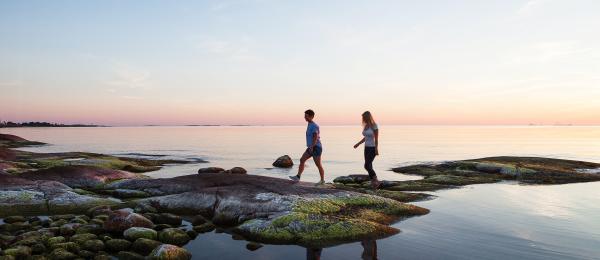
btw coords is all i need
(87, 205)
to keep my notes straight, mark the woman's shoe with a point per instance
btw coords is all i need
(374, 183)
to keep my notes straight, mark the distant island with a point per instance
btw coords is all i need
(4, 124)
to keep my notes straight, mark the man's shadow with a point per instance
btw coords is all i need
(369, 251)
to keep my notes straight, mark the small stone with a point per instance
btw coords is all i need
(69, 229)
(82, 238)
(38, 249)
(170, 252)
(134, 233)
(55, 240)
(160, 227)
(120, 220)
(116, 245)
(102, 257)
(198, 220)
(65, 217)
(192, 234)
(93, 245)
(127, 255)
(78, 220)
(168, 218)
(99, 210)
(253, 246)
(144, 246)
(18, 251)
(90, 228)
(173, 236)
(284, 162)
(13, 219)
(207, 227)
(62, 254)
(236, 170)
(86, 254)
(58, 223)
(69, 246)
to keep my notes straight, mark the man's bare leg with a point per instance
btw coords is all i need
(305, 156)
(317, 160)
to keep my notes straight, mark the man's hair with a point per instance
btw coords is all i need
(310, 112)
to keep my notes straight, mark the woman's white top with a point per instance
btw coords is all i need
(369, 135)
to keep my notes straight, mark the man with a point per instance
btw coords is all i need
(314, 148)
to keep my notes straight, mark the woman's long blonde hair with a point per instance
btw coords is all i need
(367, 120)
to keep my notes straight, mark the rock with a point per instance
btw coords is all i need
(211, 170)
(86, 254)
(127, 255)
(192, 234)
(284, 162)
(168, 218)
(170, 252)
(237, 237)
(354, 178)
(134, 233)
(116, 245)
(90, 228)
(62, 254)
(120, 220)
(78, 176)
(69, 229)
(38, 249)
(173, 236)
(78, 221)
(204, 228)
(7, 257)
(13, 219)
(55, 240)
(236, 170)
(93, 245)
(126, 193)
(103, 257)
(66, 217)
(253, 246)
(160, 227)
(69, 246)
(18, 251)
(198, 220)
(99, 210)
(144, 246)
(82, 238)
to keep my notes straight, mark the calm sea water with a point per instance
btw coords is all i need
(488, 221)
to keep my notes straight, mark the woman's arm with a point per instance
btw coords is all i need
(376, 131)
(359, 143)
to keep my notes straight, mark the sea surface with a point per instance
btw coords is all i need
(487, 221)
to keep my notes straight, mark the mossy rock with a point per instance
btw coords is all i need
(204, 228)
(169, 252)
(144, 246)
(55, 240)
(69, 246)
(93, 245)
(173, 236)
(18, 251)
(82, 238)
(457, 180)
(134, 233)
(116, 245)
(418, 185)
(13, 219)
(127, 255)
(62, 254)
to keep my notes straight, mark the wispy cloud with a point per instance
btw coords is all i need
(530, 6)
(11, 83)
(236, 49)
(128, 76)
(546, 52)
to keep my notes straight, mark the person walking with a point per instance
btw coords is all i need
(371, 139)
(314, 148)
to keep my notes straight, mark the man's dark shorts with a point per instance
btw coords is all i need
(316, 152)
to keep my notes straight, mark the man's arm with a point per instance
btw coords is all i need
(314, 140)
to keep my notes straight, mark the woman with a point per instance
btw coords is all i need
(371, 140)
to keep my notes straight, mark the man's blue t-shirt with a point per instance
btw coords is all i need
(311, 129)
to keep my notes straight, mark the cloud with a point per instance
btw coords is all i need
(237, 49)
(128, 76)
(542, 52)
(11, 83)
(530, 7)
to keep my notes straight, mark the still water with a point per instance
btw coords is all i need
(488, 221)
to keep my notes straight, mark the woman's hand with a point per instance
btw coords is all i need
(356, 145)
(376, 151)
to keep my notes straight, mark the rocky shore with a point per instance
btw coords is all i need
(94, 206)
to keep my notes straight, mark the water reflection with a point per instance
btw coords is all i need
(369, 251)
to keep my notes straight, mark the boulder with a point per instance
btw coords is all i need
(144, 246)
(93, 245)
(284, 162)
(134, 233)
(82, 238)
(116, 245)
(127, 255)
(168, 218)
(62, 254)
(19, 252)
(120, 220)
(173, 236)
(13, 219)
(236, 170)
(170, 252)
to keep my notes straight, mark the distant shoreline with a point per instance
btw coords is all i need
(43, 124)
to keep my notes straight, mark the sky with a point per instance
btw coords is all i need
(266, 61)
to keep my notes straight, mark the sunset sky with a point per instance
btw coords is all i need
(266, 61)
